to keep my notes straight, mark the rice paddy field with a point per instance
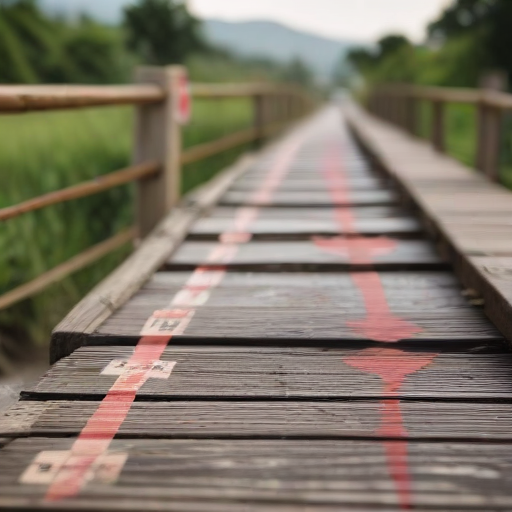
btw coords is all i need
(44, 152)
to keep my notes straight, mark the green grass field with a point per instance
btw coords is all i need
(47, 151)
(461, 136)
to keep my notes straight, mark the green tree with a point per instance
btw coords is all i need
(37, 48)
(487, 22)
(162, 31)
(393, 60)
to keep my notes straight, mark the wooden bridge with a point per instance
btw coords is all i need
(321, 327)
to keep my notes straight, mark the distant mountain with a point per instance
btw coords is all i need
(278, 42)
(108, 11)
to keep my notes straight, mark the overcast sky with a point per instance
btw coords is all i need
(364, 20)
(354, 19)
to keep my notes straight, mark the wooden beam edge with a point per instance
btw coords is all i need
(115, 290)
(470, 270)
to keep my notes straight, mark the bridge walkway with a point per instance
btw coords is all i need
(307, 347)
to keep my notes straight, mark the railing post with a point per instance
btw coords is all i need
(411, 114)
(437, 130)
(481, 135)
(259, 117)
(158, 138)
(489, 143)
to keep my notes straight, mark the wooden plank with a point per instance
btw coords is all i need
(323, 253)
(315, 213)
(273, 420)
(298, 306)
(431, 300)
(286, 229)
(470, 371)
(405, 291)
(263, 326)
(313, 198)
(117, 289)
(295, 475)
(292, 183)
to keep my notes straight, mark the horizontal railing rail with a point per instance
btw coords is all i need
(398, 104)
(158, 153)
(84, 189)
(24, 98)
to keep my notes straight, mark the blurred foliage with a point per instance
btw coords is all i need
(162, 31)
(469, 39)
(37, 48)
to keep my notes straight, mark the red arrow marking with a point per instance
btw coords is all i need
(358, 250)
(379, 325)
(393, 366)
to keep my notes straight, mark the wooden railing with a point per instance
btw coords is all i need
(158, 155)
(399, 104)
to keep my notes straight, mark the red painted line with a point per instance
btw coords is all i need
(380, 324)
(96, 437)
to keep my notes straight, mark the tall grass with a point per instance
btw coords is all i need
(47, 151)
(461, 136)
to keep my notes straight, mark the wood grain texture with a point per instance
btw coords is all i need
(405, 291)
(306, 255)
(303, 307)
(271, 420)
(264, 326)
(471, 371)
(292, 474)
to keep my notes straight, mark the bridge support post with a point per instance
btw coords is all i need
(158, 138)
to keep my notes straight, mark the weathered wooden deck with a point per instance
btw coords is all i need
(308, 346)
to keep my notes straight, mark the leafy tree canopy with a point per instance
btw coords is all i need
(162, 31)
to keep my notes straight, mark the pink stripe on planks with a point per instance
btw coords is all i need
(102, 427)
(393, 366)
(379, 324)
(361, 250)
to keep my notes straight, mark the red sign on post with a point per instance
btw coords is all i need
(183, 103)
